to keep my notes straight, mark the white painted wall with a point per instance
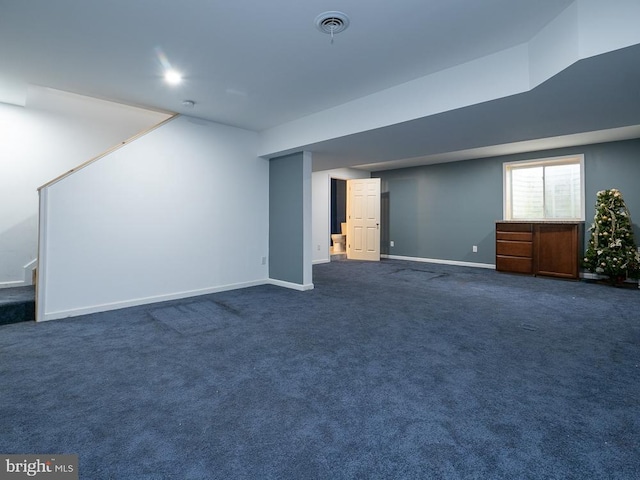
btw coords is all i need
(54, 133)
(180, 211)
(321, 208)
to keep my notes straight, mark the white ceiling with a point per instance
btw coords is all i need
(257, 64)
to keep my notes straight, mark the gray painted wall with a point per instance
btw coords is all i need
(286, 239)
(441, 211)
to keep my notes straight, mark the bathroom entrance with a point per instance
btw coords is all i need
(338, 216)
(363, 219)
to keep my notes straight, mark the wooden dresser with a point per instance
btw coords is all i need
(539, 248)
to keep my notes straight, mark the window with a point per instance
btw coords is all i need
(544, 189)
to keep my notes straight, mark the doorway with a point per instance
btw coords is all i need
(338, 211)
(363, 219)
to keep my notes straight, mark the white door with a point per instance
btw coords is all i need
(363, 219)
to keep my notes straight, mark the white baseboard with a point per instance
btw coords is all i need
(442, 262)
(17, 283)
(74, 312)
(293, 286)
(323, 260)
(592, 276)
(585, 275)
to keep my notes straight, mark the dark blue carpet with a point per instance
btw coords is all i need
(196, 317)
(386, 370)
(17, 304)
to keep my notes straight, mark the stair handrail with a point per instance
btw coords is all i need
(108, 152)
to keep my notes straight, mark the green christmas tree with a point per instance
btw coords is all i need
(612, 249)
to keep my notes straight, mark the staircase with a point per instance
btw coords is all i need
(17, 305)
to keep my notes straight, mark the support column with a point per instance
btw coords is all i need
(290, 254)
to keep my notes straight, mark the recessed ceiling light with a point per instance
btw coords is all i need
(172, 77)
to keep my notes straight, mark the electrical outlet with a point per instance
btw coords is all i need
(475, 249)
(318, 247)
(264, 260)
(392, 243)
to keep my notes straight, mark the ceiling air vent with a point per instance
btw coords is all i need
(332, 23)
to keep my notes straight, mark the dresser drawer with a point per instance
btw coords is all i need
(514, 264)
(513, 227)
(514, 249)
(516, 236)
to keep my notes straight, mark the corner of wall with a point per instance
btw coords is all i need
(555, 47)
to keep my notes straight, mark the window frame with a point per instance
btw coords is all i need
(507, 168)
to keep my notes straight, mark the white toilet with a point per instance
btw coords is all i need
(339, 240)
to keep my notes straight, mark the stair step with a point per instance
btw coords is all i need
(17, 305)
